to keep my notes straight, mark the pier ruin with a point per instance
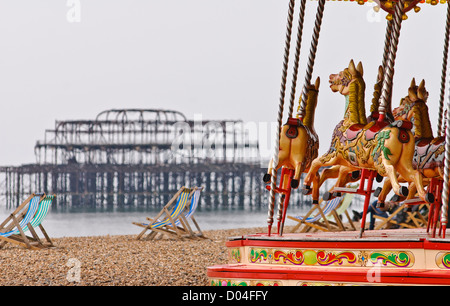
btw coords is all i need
(140, 157)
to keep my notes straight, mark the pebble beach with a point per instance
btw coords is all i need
(117, 261)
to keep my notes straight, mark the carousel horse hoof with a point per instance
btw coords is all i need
(379, 178)
(395, 198)
(377, 192)
(306, 190)
(315, 202)
(294, 183)
(356, 175)
(380, 204)
(327, 196)
(404, 191)
(429, 197)
(267, 177)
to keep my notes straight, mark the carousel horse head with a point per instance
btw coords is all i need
(341, 82)
(350, 83)
(417, 98)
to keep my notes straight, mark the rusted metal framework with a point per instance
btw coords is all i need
(140, 157)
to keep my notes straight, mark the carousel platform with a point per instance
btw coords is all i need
(383, 257)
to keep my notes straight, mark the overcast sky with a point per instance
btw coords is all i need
(218, 58)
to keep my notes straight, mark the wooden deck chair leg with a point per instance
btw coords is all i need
(317, 227)
(338, 220)
(422, 217)
(300, 222)
(186, 227)
(323, 216)
(142, 232)
(24, 237)
(152, 235)
(388, 219)
(413, 219)
(47, 237)
(350, 221)
(34, 234)
(200, 233)
(175, 228)
(327, 225)
(12, 240)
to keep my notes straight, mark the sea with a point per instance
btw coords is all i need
(94, 220)
(84, 221)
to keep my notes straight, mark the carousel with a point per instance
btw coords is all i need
(395, 147)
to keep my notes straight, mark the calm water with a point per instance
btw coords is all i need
(84, 221)
(87, 222)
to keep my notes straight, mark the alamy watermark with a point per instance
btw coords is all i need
(73, 14)
(373, 14)
(232, 141)
(74, 273)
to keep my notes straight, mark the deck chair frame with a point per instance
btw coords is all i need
(418, 221)
(190, 216)
(325, 225)
(171, 228)
(20, 238)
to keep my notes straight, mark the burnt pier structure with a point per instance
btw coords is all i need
(141, 157)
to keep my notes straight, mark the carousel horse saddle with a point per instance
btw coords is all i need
(353, 131)
(429, 153)
(292, 131)
(374, 127)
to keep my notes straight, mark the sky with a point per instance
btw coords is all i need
(220, 59)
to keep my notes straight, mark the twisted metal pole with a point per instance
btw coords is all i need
(445, 189)
(387, 46)
(444, 71)
(387, 43)
(273, 182)
(390, 63)
(301, 18)
(312, 57)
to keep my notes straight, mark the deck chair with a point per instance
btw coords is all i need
(414, 218)
(319, 221)
(189, 215)
(342, 209)
(171, 219)
(13, 230)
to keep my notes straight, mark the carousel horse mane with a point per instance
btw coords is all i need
(311, 103)
(377, 92)
(414, 107)
(356, 112)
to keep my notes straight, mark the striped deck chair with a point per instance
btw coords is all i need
(320, 220)
(412, 219)
(37, 211)
(342, 209)
(165, 221)
(189, 215)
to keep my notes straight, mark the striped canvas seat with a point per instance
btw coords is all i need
(322, 220)
(31, 212)
(38, 208)
(179, 207)
(331, 204)
(173, 218)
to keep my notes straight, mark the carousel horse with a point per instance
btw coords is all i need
(299, 143)
(342, 173)
(387, 148)
(429, 151)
